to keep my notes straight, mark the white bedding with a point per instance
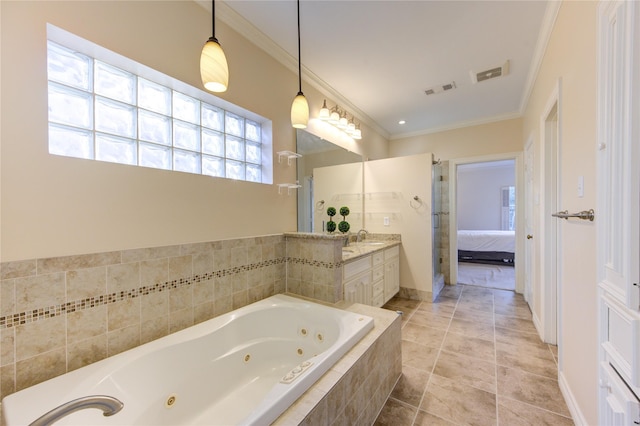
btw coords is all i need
(487, 240)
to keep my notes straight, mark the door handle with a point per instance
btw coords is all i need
(529, 236)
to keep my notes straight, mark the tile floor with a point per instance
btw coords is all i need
(473, 357)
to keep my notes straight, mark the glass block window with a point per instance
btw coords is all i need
(103, 112)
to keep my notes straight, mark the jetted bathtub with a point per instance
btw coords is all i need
(245, 367)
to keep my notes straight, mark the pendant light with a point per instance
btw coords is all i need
(300, 107)
(324, 112)
(213, 64)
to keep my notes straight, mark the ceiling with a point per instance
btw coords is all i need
(377, 58)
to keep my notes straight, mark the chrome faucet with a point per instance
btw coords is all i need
(359, 235)
(108, 404)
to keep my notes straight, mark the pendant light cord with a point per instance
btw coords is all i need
(299, 59)
(213, 20)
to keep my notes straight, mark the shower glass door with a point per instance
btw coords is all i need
(436, 209)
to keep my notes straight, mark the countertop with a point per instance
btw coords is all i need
(356, 250)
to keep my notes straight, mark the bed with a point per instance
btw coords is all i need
(488, 247)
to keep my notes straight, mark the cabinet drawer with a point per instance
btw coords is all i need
(351, 269)
(392, 252)
(378, 273)
(378, 300)
(378, 288)
(378, 258)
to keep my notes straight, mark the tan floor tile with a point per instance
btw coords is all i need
(470, 346)
(426, 419)
(403, 304)
(467, 370)
(533, 359)
(518, 311)
(472, 328)
(472, 315)
(515, 413)
(459, 403)
(418, 356)
(429, 319)
(452, 291)
(427, 336)
(476, 305)
(515, 323)
(508, 335)
(396, 413)
(441, 308)
(411, 386)
(533, 389)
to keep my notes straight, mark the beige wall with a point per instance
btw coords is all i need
(571, 57)
(53, 206)
(491, 138)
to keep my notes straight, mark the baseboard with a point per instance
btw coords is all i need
(538, 325)
(572, 404)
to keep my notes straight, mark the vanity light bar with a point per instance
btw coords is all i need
(340, 120)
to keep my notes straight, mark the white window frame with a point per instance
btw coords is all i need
(73, 42)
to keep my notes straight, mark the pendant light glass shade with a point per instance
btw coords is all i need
(324, 112)
(334, 117)
(300, 106)
(300, 112)
(214, 70)
(213, 67)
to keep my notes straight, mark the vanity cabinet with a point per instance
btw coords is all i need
(372, 279)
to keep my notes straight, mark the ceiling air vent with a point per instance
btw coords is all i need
(495, 72)
(441, 88)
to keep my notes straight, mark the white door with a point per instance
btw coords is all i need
(529, 252)
(618, 210)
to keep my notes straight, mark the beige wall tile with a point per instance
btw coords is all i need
(154, 329)
(123, 339)
(37, 369)
(239, 299)
(222, 305)
(180, 267)
(85, 352)
(223, 287)
(137, 255)
(123, 277)
(179, 320)
(124, 313)
(203, 312)
(20, 268)
(254, 253)
(154, 305)
(86, 323)
(203, 291)
(68, 263)
(7, 380)
(203, 263)
(239, 256)
(38, 337)
(7, 346)
(155, 271)
(7, 297)
(221, 259)
(239, 282)
(180, 298)
(40, 291)
(86, 283)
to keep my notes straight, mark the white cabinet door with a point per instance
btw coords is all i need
(621, 408)
(358, 290)
(618, 156)
(391, 278)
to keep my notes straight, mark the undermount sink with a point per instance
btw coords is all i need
(372, 243)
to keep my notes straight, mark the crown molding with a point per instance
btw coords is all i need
(548, 22)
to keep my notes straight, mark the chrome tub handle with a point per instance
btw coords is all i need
(108, 404)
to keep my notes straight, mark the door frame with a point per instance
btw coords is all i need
(550, 245)
(453, 212)
(529, 203)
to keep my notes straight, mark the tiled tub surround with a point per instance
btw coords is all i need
(59, 314)
(355, 389)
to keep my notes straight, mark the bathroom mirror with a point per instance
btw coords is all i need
(330, 176)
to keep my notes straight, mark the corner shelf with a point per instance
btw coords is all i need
(289, 155)
(289, 187)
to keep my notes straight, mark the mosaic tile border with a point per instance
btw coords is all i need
(21, 318)
(320, 264)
